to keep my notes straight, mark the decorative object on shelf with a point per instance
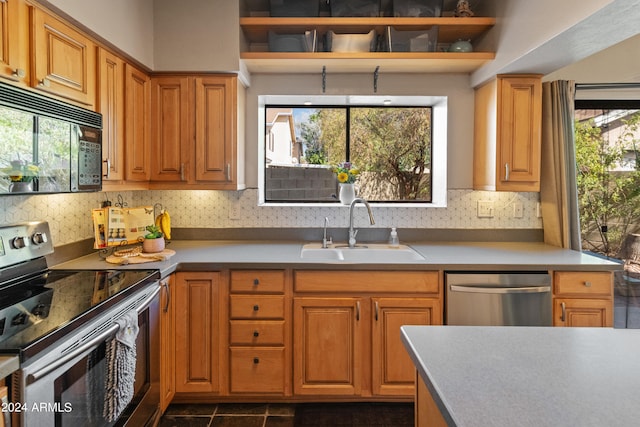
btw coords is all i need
(463, 10)
(347, 174)
(154, 240)
(461, 46)
(347, 193)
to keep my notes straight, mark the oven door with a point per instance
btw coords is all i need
(70, 391)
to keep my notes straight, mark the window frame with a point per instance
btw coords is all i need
(438, 105)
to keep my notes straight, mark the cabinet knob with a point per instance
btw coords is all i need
(587, 284)
(256, 307)
(256, 360)
(256, 282)
(19, 73)
(256, 334)
(44, 82)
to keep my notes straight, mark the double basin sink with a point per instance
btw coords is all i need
(365, 253)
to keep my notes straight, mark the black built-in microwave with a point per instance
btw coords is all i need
(46, 145)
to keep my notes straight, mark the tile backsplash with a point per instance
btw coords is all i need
(69, 215)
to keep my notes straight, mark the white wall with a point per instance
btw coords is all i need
(197, 35)
(128, 24)
(545, 35)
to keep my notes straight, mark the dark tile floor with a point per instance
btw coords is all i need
(289, 415)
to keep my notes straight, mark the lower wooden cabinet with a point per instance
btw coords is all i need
(197, 308)
(350, 345)
(583, 299)
(259, 354)
(167, 342)
(393, 372)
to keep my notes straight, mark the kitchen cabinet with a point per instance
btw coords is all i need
(64, 60)
(256, 56)
(583, 299)
(196, 133)
(137, 86)
(259, 352)
(14, 41)
(167, 342)
(355, 317)
(111, 106)
(197, 332)
(507, 134)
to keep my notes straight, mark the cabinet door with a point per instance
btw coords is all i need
(172, 128)
(197, 332)
(327, 346)
(167, 343)
(393, 372)
(519, 133)
(137, 124)
(111, 106)
(14, 41)
(216, 123)
(64, 60)
(582, 312)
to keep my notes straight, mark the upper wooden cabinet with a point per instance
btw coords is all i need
(508, 121)
(14, 41)
(111, 106)
(64, 60)
(137, 153)
(196, 132)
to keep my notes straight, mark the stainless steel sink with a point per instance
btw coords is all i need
(369, 253)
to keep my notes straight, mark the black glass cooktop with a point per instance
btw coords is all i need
(35, 313)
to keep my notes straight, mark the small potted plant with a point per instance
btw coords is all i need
(154, 240)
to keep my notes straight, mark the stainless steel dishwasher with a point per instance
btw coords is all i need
(498, 299)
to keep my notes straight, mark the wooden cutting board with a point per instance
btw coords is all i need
(141, 258)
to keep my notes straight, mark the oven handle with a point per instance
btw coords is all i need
(498, 290)
(35, 376)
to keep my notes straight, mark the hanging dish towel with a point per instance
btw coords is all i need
(121, 366)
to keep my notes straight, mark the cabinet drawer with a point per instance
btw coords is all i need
(367, 281)
(257, 281)
(583, 283)
(257, 307)
(255, 332)
(257, 370)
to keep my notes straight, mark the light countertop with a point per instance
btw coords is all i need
(529, 376)
(205, 255)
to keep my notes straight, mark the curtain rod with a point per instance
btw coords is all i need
(596, 86)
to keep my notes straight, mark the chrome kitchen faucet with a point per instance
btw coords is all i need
(352, 232)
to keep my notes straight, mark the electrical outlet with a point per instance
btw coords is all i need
(538, 210)
(234, 213)
(485, 209)
(518, 210)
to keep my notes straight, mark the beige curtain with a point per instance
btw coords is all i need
(558, 191)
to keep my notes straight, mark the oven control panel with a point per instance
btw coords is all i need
(23, 242)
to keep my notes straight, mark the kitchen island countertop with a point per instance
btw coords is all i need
(203, 255)
(529, 376)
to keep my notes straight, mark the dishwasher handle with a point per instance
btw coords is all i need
(501, 290)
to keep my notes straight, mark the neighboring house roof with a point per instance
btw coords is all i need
(274, 114)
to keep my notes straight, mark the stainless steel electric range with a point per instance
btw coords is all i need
(59, 324)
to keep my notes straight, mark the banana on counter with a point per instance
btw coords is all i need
(163, 221)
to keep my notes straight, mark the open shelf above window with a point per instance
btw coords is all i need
(257, 58)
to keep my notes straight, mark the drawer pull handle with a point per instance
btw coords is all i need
(256, 307)
(256, 360)
(563, 315)
(256, 334)
(256, 282)
(587, 284)
(358, 311)
(377, 310)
